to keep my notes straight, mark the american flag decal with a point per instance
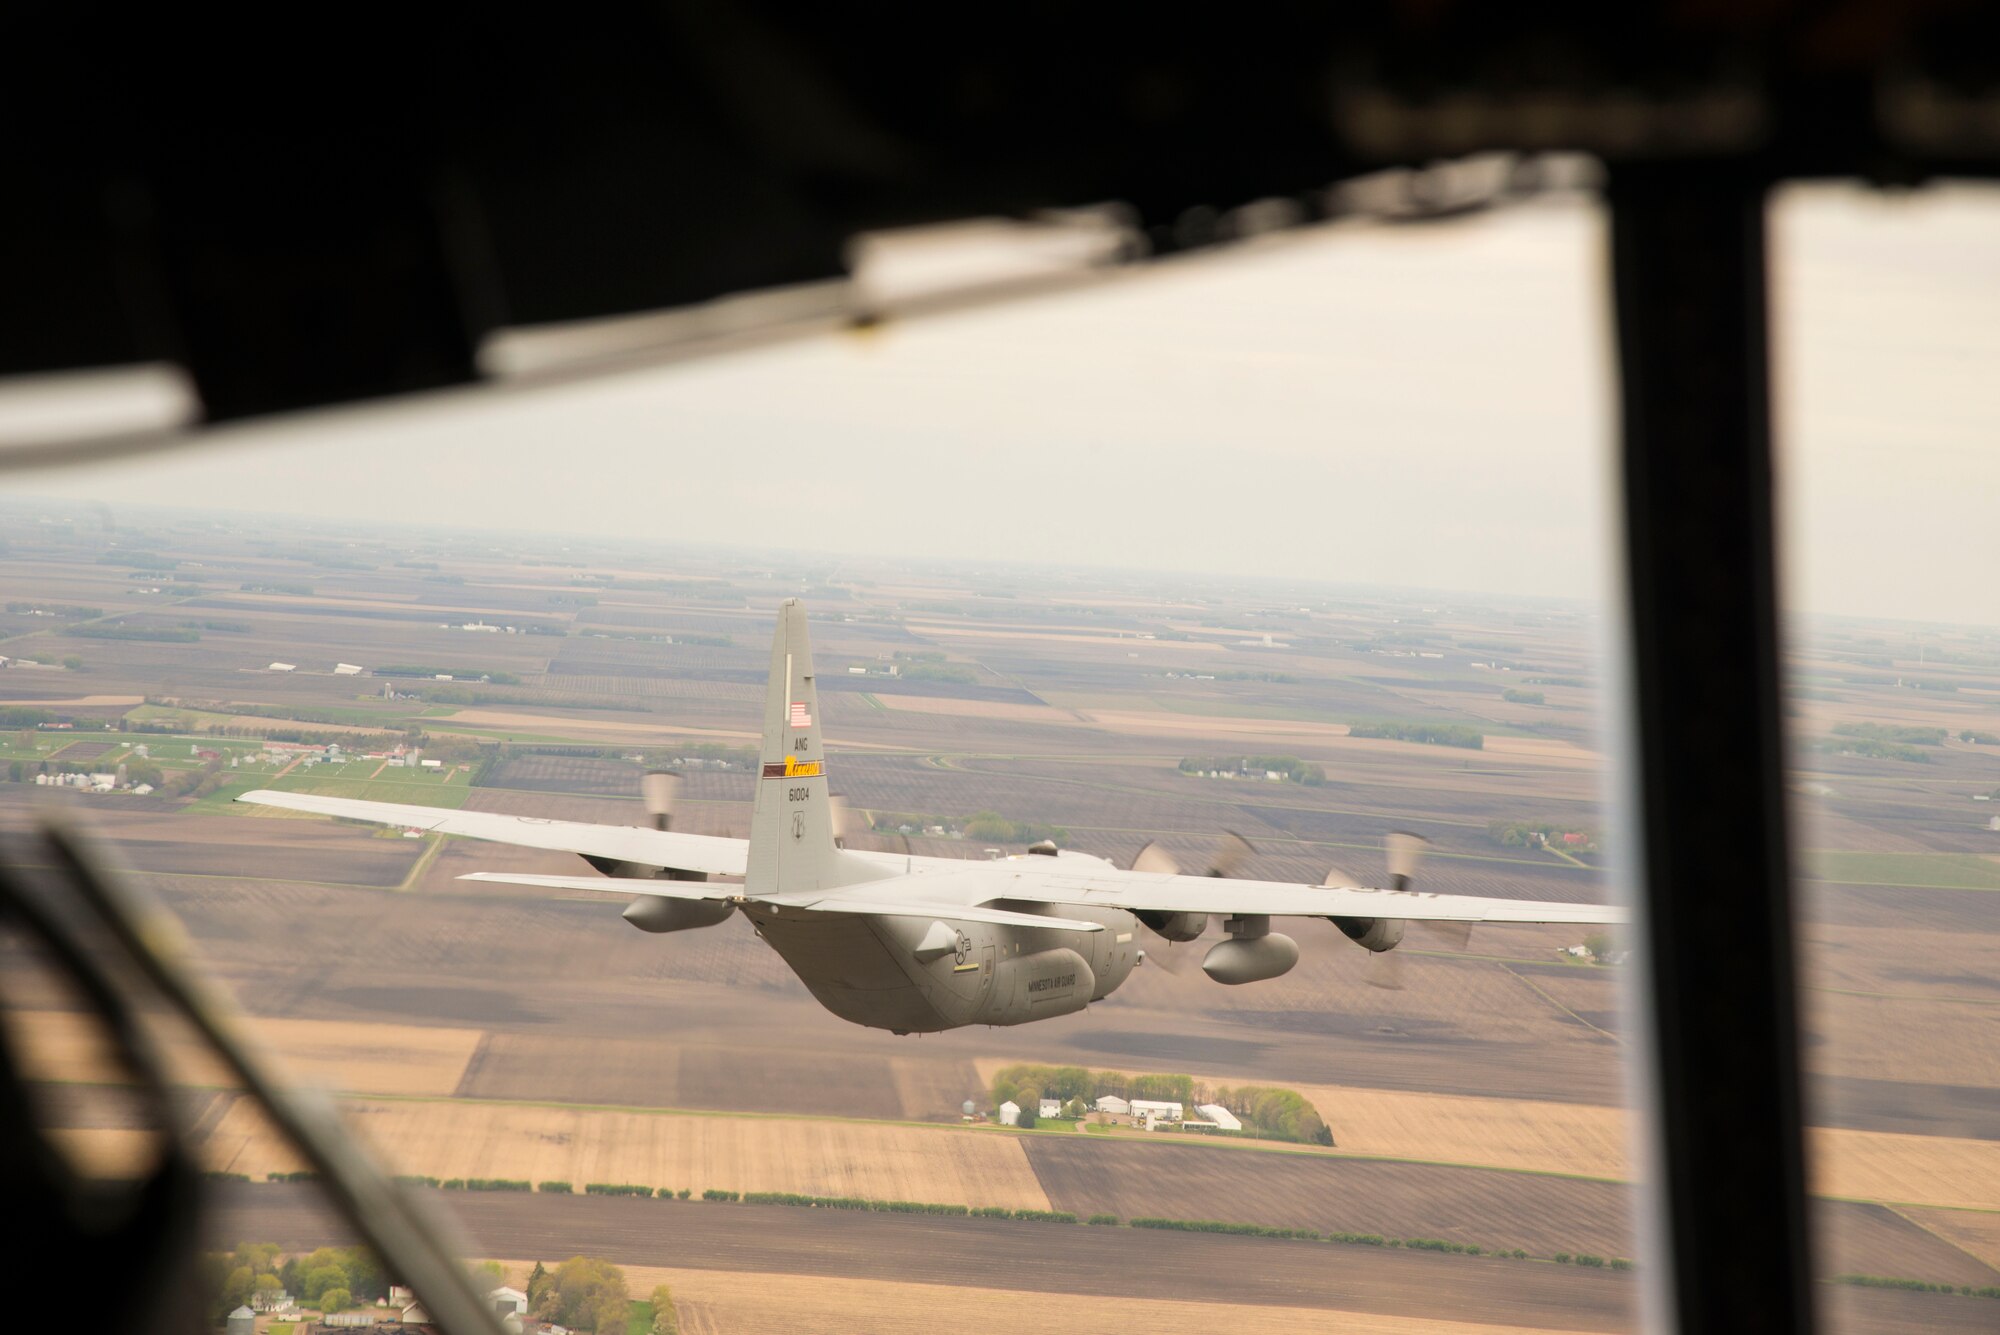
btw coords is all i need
(800, 717)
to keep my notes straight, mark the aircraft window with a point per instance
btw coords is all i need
(1354, 653)
(1882, 317)
(1319, 617)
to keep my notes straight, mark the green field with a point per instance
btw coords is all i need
(1948, 871)
(191, 719)
(390, 717)
(448, 788)
(412, 794)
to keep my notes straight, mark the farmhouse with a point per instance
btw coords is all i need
(1049, 1108)
(271, 1300)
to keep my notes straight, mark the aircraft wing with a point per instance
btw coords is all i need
(704, 853)
(613, 885)
(883, 900)
(1159, 892)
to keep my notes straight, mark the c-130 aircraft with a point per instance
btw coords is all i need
(922, 944)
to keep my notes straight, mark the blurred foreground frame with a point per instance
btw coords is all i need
(122, 953)
(435, 200)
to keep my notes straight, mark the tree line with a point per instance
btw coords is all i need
(331, 1279)
(582, 1293)
(1434, 734)
(1267, 1111)
(1293, 768)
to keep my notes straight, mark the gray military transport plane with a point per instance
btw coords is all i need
(921, 944)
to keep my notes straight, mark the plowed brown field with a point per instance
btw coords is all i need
(1976, 1232)
(711, 1302)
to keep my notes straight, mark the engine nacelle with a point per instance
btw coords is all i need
(1251, 959)
(658, 913)
(1376, 934)
(1175, 926)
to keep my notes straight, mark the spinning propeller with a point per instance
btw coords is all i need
(1231, 852)
(1384, 967)
(837, 807)
(659, 789)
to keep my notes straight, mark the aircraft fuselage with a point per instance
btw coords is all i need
(919, 976)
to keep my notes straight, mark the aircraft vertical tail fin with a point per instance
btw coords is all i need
(791, 828)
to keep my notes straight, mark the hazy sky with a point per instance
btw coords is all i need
(1418, 406)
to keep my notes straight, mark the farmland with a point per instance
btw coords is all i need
(1480, 1101)
(63, 1046)
(751, 1264)
(472, 1138)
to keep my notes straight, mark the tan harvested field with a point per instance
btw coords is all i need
(339, 1055)
(467, 1138)
(611, 730)
(1543, 748)
(108, 1152)
(1578, 1138)
(82, 702)
(1904, 1169)
(1457, 1128)
(722, 1302)
(1333, 738)
(251, 723)
(1127, 643)
(1571, 1138)
(1154, 722)
(554, 724)
(989, 709)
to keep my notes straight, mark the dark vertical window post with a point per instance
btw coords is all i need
(1716, 1002)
